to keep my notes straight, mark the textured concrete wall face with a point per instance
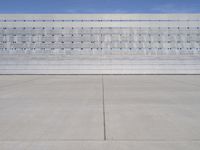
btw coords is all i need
(100, 43)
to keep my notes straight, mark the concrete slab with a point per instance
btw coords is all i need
(163, 123)
(125, 90)
(7, 81)
(81, 123)
(72, 89)
(16, 145)
(152, 108)
(64, 107)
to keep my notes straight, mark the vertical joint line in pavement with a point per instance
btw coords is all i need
(104, 115)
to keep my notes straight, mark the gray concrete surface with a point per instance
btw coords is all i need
(57, 112)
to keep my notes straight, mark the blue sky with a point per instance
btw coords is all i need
(99, 6)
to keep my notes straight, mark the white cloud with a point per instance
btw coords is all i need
(171, 8)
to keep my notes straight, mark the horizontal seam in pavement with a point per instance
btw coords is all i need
(88, 140)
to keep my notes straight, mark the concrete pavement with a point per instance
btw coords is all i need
(129, 112)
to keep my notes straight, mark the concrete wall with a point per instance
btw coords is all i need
(99, 43)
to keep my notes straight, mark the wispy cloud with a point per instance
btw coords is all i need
(95, 11)
(172, 8)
